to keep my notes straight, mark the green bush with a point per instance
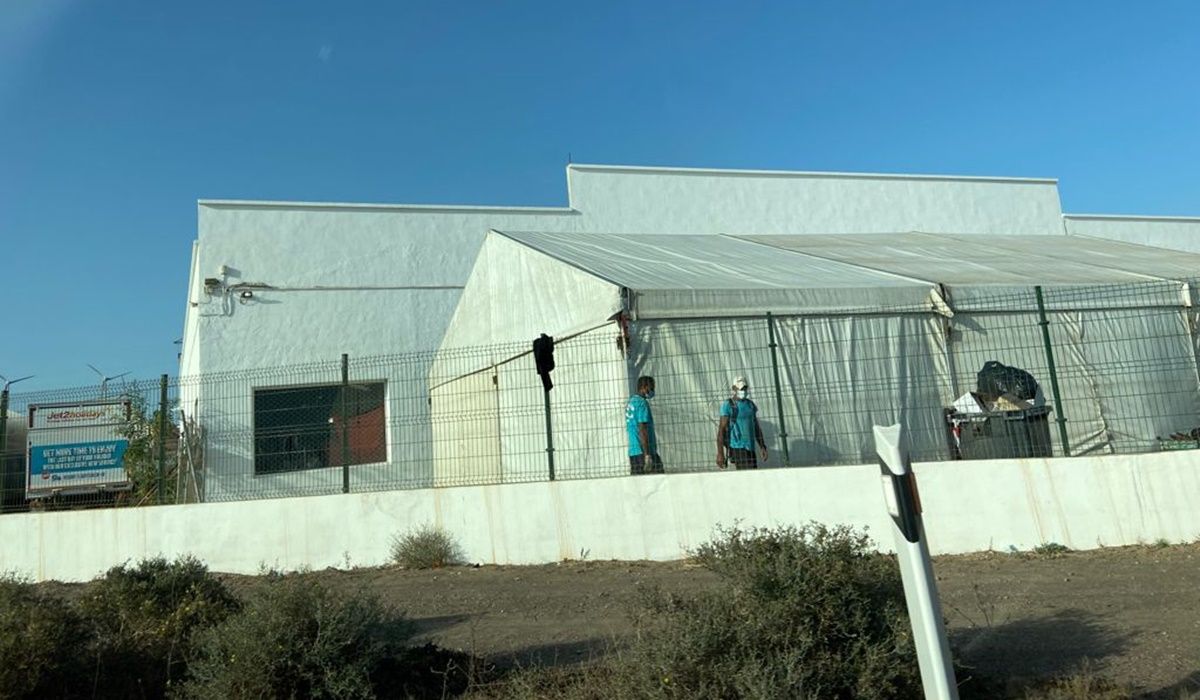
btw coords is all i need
(42, 643)
(806, 612)
(297, 639)
(426, 547)
(142, 621)
(1051, 550)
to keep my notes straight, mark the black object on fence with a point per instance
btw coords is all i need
(543, 358)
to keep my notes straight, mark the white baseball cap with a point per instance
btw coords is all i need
(740, 383)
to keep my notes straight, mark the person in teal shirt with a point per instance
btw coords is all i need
(639, 425)
(739, 430)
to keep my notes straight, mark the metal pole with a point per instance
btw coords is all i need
(162, 439)
(345, 424)
(3, 429)
(4, 418)
(549, 434)
(1058, 409)
(787, 458)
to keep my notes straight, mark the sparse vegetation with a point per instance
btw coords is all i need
(142, 620)
(806, 612)
(1081, 686)
(41, 643)
(426, 547)
(298, 639)
(1051, 550)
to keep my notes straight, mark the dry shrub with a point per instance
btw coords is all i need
(808, 612)
(298, 639)
(426, 547)
(142, 620)
(41, 644)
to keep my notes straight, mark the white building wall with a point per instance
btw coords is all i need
(1083, 503)
(385, 261)
(327, 279)
(362, 280)
(617, 199)
(1175, 233)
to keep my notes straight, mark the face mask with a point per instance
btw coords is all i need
(742, 393)
(650, 394)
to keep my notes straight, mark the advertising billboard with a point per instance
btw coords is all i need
(76, 448)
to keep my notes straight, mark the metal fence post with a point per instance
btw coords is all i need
(787, 458)
(549, 435)
(345, 423)
(4, 428)
(1058, 409)
(162, 439)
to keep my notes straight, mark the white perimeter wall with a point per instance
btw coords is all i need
(1080, 502)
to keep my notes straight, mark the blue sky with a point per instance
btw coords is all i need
(115, 117)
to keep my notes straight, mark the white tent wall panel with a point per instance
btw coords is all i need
(516, 293)
(466, 430)
(694, 363)
(1141, 368)
(839, 376)
(591, 386)
(490, 426)
(522, 422)
(846, 374)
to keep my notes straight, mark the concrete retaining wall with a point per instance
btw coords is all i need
(1083, 503)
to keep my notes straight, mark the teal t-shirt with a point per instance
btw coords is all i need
(637, 411)
(741, 428)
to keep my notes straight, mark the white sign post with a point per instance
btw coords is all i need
(76, 448)
(916, 568)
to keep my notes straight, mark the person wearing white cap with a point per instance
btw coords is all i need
(739, 430)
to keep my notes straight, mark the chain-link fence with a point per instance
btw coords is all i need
(1062, 371)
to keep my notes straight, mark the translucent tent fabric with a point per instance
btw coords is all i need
(867, 329)
(1111, 307)
(685, 276)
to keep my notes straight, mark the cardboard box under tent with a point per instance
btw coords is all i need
(860, 329)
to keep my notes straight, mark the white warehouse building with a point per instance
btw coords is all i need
(279, 284)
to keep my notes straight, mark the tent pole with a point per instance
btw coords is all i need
(787, 459)
(1058, 409)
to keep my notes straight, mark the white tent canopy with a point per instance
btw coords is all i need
(864, 329)
(577, 281)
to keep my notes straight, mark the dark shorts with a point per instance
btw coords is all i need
(743, 459)
(637, 465)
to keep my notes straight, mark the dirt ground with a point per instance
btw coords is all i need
(1130, 614)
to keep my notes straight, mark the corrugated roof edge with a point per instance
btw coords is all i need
(807, 174)
(1132, 217)
(424, 208)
